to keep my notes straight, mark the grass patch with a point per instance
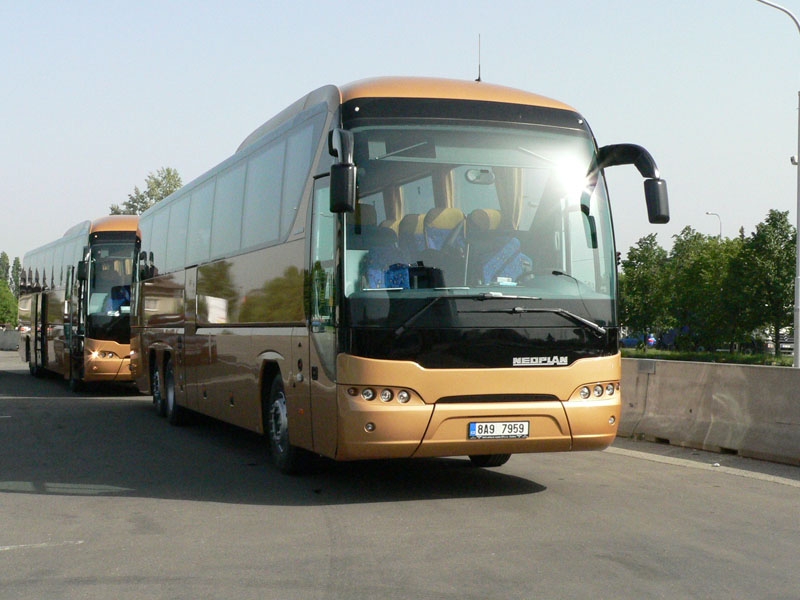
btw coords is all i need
(711, 357)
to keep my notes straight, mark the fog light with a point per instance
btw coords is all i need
(585, 392)
(403, 396)
(352, 391)
(386, 395)
(368, 394)
(612, 419)
(369, 427)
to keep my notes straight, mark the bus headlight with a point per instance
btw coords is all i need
(600, 390)
(386, 395)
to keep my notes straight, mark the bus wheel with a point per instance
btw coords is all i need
(75, 383)
(175, 413)
(33, 367)
(158, 392)
(287, 458)
(489, 460)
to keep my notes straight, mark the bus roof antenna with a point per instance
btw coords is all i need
(479, 58)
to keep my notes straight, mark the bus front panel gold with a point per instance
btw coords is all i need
(443, 402)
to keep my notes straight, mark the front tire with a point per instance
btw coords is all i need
(75, 384)
(286, 458)
(489, 460)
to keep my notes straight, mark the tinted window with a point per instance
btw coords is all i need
(262, 198)
(226, 229)
(298, 161)
(178, 229)
(58, 265)
(198, 241)
(158, 240)
(146, 227)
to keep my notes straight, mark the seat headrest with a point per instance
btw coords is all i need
(444, 218)
(411, 224)
(484, 219)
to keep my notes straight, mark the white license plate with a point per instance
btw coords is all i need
(498, 430)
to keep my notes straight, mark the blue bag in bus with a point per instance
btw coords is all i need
(397, 276)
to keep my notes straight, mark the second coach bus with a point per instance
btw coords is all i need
(74, 306)
(399, 267)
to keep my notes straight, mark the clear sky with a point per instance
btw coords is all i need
(96, 95)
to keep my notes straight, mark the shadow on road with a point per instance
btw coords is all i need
(97, 444)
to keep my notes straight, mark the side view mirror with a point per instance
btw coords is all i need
(343, 172)
(655, 188)
(81, 275)
(655, 194)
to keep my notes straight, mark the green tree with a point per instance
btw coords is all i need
(159, 185)
(698, 266)
(768, 271)
(735, 314)
(16, 269)
(643, 298)
(8, 305)
(5, 267)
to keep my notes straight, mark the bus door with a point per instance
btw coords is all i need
(322, 322)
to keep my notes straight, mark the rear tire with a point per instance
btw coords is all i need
(286, 458)
(489, 460)
(157, 388)
(176, 415)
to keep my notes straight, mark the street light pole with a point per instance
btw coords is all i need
(713, 214)
(796, 349)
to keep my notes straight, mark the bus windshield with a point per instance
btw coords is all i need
(109, 291)
(478, 210)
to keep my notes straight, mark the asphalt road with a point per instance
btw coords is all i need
(99, 498)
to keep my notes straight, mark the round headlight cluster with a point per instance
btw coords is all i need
(598, 390)
(385, 395)
(103, 354)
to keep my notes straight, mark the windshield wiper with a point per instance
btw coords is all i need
(481, 297)
(498, 296)
(399, 331)
(570, 316)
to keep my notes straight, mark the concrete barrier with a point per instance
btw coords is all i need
(749, 410)
(9, 340)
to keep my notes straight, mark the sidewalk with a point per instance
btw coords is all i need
(10, 361)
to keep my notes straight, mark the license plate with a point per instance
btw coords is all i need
(498, 430)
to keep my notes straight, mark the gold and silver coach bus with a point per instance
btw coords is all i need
(74, 305)
(400, 267)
